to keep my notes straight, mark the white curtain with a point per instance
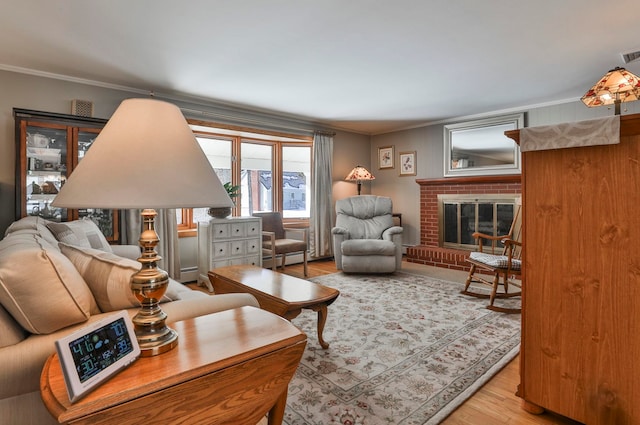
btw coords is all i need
(322, 198)
(167, 229)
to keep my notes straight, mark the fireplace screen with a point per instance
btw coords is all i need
(460, 216)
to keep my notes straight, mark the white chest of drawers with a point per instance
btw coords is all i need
(228, 242)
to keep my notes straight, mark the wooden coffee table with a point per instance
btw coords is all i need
(230, 367)
(276, 292)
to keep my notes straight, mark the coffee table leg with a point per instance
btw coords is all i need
(322, 318)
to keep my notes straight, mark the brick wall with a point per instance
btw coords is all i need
(428, 252)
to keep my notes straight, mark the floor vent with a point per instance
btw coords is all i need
(631, 56)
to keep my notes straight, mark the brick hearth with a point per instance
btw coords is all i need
(428, 252)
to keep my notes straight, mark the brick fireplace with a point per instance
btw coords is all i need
(429, 251)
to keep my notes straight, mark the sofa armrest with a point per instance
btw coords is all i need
(200, 306)
(127, 251)
(21, 363)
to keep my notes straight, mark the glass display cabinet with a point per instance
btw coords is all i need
(48, 148)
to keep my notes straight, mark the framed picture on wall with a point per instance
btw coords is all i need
(407, 161)
(385, 157)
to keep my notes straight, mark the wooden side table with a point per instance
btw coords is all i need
(231, 367)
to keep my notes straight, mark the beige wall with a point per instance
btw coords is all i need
(43, 94)
(350, 149)
(55, 95)
(428, 142)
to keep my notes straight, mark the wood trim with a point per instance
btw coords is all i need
(242, 129)
(64, 118)
(509, 178)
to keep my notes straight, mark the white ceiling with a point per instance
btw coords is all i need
(362, 65)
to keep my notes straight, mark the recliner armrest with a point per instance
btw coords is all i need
(339, 231)
(388, 233)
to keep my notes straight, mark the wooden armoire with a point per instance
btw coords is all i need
(580, 353)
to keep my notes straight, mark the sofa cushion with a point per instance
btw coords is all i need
(108, 277)
(40, 287)
(32, 225)
(84, 233)
(353, 247)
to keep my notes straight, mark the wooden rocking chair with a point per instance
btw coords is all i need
(505, 266)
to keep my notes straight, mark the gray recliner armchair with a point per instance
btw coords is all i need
(364, 238)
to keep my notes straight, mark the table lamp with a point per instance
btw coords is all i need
(615, 87)
(145, 157)
(358, 174)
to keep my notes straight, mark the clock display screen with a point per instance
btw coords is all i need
(99, 349)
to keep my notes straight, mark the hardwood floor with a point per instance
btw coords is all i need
(493, 404)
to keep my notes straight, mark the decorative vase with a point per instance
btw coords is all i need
(221, 212)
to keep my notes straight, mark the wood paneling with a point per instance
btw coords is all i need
(580, 345)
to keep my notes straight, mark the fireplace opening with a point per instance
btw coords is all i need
(460, 215)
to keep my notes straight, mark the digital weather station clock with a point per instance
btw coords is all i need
(96, 352)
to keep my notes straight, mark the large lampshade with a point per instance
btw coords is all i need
(145, 157)
(359, 173)
(616, 86)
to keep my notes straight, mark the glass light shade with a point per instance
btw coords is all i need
(146, 156)
(616, 86)
(360, 173)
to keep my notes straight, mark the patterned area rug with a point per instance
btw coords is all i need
(405, 349)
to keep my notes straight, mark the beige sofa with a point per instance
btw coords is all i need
(55, 278)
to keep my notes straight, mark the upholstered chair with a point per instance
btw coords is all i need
(276, 240)
(364, 238)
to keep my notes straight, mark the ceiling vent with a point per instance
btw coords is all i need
(631, 56)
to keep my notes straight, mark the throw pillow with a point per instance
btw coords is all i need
(84, 233)
(40, 287)
(108, 277)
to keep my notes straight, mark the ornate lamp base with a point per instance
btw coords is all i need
(148, 286)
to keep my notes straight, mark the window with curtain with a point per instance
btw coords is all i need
(296, 181)
(272, 169)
